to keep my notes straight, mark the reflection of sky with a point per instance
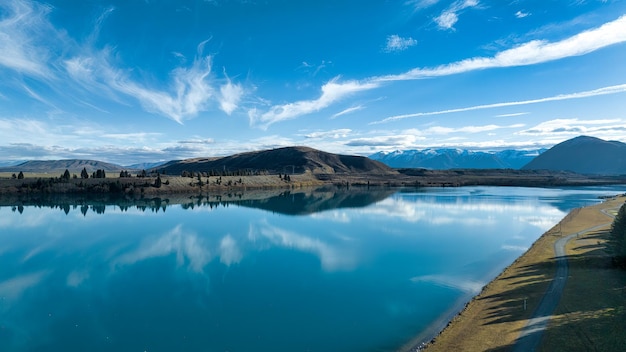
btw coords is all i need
(392, 254)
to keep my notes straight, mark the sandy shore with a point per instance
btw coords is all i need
(492, 320)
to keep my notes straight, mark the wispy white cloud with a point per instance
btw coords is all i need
(513, 114)
(409, 138)
(521, 14)
(339, 133)
(599, 127)
(314, 69)
(198, 141)
(19, 35)
(530, 53)
(621, 88)
(230, 96)
(402, 140)
(395, 43)
(132, 136)
(348, 111)
(467, 129)
(449, 17)
(192, 89)
(332, 92)
(421, 4)
(32, 46)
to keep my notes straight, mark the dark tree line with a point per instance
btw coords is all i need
(617, 238)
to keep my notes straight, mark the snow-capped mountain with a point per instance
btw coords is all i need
(447, 158)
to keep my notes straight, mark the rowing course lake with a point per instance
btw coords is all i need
(325, 271)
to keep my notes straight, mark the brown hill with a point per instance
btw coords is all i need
(281, 160)
(584, 155)
(56, 166)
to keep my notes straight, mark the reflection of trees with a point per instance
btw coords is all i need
(292, 202)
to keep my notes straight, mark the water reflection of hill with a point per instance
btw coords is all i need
(289, 202)
(302, 203)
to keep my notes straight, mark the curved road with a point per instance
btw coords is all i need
(532, 332)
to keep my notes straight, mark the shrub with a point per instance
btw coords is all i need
(617, 238)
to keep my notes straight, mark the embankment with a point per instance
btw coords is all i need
(493, 320)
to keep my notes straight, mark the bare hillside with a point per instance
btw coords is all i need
(281, 160)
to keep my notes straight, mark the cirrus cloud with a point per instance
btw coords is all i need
(332, 91)
(530, 53)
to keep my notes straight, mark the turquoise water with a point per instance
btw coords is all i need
(293, 272)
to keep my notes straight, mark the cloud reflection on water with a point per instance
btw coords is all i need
(331, 257)
(189, 248)
(454, 282)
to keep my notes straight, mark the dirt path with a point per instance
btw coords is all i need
(531, 334)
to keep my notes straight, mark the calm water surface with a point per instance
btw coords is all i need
(296, 272)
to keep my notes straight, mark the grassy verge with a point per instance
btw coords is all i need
(591, 314)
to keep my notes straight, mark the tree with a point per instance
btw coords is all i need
(200, 180)
(20, 176)
(157, 182)
(66, 175)
(14, 176)
(617, 238)
(84, 173)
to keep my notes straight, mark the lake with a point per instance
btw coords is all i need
(281, 271)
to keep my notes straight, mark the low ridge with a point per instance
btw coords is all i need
(281, 160)
(73, 165)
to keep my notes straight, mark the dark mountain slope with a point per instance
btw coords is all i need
(583, 155)
(289, 159)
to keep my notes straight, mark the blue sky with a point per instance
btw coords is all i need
(146, 80)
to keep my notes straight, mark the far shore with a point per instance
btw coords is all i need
(492, 320)
(156, 185)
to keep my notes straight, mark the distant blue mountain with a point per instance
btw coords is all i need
(583, 155)
(6, 163)
(447, 158)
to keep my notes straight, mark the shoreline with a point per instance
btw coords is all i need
(160, 185)
(452, 331)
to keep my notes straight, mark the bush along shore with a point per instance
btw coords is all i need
(146, 184)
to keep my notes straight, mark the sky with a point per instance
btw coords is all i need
(131, 81)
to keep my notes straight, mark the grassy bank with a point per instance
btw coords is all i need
(591, 314)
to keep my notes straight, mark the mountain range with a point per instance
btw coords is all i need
(447, 158)
(59, 166)
(583, 155)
